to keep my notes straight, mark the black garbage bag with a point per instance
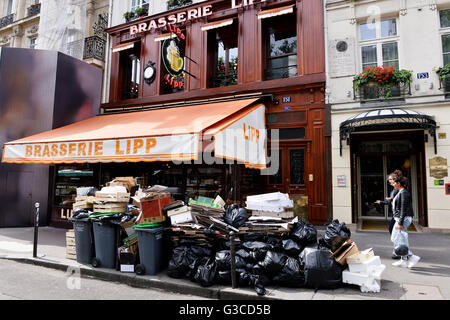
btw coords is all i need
(254, 237)
(223, 260)
(256, 245)
(320, 268)
(179, 264)
(248, 279)
(81, 214)
(304, 233)
(276, 242)
(206, 272)
(185, 260)
(292, 274)
(292, 248)
(333, 230)
(273, 262)
(235, 216)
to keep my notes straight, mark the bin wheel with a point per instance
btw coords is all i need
(95, 263)
(140, 269)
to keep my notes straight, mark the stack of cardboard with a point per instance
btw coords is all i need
(269, 214)
(128, 182)
(151, 202)
(84, 200)
(111, 200)
(71, 252)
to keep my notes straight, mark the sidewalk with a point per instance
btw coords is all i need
(430, 279)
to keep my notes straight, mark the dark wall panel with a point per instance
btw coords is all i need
(39, 90)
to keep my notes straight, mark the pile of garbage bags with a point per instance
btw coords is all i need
(294, 260)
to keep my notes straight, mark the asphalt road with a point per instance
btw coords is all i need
(20, 281)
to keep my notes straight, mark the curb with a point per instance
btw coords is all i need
(133, 280)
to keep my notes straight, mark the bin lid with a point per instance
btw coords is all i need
(147, 225)
(71, 219)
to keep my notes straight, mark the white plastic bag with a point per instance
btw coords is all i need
(399, 237)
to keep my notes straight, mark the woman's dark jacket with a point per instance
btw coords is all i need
(403, 206)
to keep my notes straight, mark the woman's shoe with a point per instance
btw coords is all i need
(401, 263)
(412, 261)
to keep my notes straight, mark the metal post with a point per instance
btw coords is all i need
(233, 264)
(36, 227)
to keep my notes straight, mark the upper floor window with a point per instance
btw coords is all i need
(10, 7)
(223, 48)
(139, 4)
(130, 71)
(280, 46)
(379, 43)
(33, 42)
(444, 16)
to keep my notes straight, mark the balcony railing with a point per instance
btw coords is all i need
(281, 73)
(173, 4)
(374, 91)
(223, 80)
(33, 10)
(7, 20)
(94, 47)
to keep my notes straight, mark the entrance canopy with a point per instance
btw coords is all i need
(387, 119)
(235, 129)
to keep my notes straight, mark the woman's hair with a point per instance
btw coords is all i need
(398, 173)
(402, 180)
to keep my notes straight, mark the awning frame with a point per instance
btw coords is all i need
(379, 119)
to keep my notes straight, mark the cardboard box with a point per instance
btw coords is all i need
(127, 261)
(127, 182)
(152, 211)
(112, 197)
(181, 217)
(347, 249)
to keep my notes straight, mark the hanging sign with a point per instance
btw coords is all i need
(173, 59)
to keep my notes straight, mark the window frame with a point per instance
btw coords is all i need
(265, 34)
(139, 5)
(378, 41)
(442, 32)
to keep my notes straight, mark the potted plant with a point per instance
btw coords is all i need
(444, 76)
(129, 15)
(383, 77)
(141, 12)
(171, 4)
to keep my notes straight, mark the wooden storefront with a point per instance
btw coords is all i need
(272, 50)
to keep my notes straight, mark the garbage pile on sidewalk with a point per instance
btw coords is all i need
(270, 247)
(149, 231)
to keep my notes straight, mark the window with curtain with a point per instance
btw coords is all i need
(139, 4)
(280, 42)
(379, 43)
(224, 59)
(444, 17)
(130, 71)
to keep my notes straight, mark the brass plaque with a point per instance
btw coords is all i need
(300, 206)
(438, 167)
(442, 135)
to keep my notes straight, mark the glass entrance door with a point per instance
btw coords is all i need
(373, 183)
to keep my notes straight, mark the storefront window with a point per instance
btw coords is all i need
(68, 179)
(225, 55)
(131, 71)
(280, 39)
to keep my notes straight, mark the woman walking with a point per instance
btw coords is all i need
(403, 214)
(391, 178)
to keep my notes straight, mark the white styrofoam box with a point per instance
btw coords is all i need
(356, 278)
(181, 218)
(264, 207)
(361, 256)
(268, 197)
(179, 210)
(363, 267)
(371, 287)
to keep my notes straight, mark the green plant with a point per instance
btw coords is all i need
(443, 72)
(382, 76)
(141, 12)
(129, 15)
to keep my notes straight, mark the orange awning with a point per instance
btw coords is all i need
(153, 135)
(216, 24)
(124, 46)
(275, 12)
